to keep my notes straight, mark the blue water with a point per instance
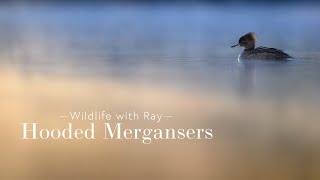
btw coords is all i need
(174, 45)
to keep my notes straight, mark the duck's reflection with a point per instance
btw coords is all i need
(246, 77)
(254, 74)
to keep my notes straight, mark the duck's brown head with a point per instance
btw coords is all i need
(247, 41)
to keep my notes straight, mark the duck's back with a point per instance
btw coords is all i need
(265, 53)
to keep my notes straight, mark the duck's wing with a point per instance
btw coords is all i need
(275, 51)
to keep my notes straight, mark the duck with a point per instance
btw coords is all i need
(251, 52)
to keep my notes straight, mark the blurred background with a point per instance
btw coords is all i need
(170, 57)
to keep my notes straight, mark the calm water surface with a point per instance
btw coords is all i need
(180, 45)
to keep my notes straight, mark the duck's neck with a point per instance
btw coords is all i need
(249, 46)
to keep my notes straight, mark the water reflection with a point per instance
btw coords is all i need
(246, 77)
(274, 138)
(249, 70)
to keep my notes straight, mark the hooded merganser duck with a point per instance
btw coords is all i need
(263, 53)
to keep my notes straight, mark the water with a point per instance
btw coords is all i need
(169, 43)
(164, 58)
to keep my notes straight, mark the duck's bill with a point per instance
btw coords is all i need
(235, 45)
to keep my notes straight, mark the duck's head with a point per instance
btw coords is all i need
(247, 41)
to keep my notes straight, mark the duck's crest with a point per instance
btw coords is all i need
(251, 36)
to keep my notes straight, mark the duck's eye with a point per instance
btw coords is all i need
(243, 42)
